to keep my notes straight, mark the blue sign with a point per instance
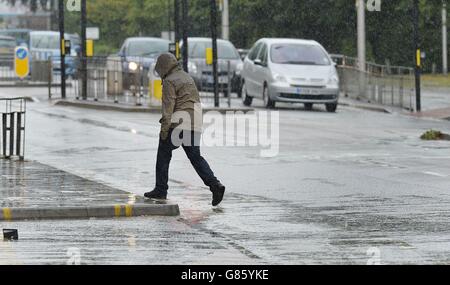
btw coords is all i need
(21, 53)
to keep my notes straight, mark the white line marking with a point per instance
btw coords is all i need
(435, 174)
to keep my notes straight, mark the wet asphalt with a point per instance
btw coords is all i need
(355, 187)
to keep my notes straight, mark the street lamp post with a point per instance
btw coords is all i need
(225, 20)
(361, 15)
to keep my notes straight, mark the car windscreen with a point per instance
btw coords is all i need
(45, 42)
(301, 54)
(224, 50)
(147, 48)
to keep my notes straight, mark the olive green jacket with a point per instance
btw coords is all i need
(181, 105)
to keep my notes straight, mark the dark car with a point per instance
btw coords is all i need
(143, 51)
(140, 53)
(203, 74)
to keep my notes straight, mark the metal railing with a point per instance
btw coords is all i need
(118, 81)
(381, 84)
(12, 128)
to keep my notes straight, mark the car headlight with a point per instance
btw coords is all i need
(279, 78)
(133, 66)
(192, 67)
(334, 81)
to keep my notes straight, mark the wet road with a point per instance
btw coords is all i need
(354, 187)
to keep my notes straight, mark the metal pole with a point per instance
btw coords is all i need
(361, 11)
(226, 20)
(229, 83)
(62, 47)
(213, 16)
(444, 40)
(169, 16)
(83, 51)
(176, 16)
(418, 65)
(185, 35)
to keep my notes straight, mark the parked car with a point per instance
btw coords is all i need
(290, 70)
(140, 52)
(47, 44)
(203, 73)
(7, 48)
(21, 36)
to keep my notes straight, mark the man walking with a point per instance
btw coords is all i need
(181, 99)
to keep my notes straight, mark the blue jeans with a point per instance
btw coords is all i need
(192, 150)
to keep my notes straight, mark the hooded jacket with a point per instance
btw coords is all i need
(181, 107)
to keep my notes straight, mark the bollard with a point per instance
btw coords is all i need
(229, 84)
(11, 134)
(13, 129)
(50, 79)
(116, 87)
(95, 85)
(4, 133)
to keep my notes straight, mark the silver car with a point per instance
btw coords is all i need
(290, 70)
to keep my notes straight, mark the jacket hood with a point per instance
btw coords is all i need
(166, 63)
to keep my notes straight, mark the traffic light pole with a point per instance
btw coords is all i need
(176, 16)
(62, 47)
(213, 7)
(83, 50)
(185, 35)
(418, 65)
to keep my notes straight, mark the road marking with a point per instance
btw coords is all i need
(129, 211)
(7, 214)
(435, 174)
(117, 210)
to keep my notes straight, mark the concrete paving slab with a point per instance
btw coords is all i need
(31, 190)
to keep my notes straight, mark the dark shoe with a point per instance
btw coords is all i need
(218, 191)
(156, 195)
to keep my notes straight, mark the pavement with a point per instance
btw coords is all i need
(355, 187)
(31, 190)
(133, 108)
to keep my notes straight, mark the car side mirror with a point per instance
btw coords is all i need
(258, 62)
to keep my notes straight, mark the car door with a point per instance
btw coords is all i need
(249, 69)
(260, 71)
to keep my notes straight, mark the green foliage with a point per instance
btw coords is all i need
(432, 135)
(330, 22)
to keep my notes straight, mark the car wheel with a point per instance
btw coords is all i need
(247, 99)
(309, 106)
(331, 108)
(268, 103)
